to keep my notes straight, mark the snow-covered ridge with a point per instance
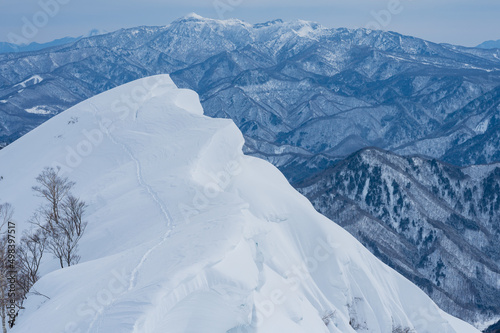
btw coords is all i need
(193, 17)
(187, 234)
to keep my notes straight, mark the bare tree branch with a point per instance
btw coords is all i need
(60, 219)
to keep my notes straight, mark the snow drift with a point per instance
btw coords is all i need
(187, 234)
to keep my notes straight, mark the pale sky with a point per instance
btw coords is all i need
(463, 22)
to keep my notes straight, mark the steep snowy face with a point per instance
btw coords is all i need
(435, 223)
(187, 234)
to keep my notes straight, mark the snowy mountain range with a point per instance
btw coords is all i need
(254, 257)
(435, 223)
(6, 47)
(285, 84)
(304, 97)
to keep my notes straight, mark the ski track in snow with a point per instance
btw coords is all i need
(166, 215)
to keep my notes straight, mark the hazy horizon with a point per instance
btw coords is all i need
(457, 22)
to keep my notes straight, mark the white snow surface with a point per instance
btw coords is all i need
(482, 127)
(39, 109)
(36, 79)
(187, 234)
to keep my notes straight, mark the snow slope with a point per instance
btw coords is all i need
(187, 234)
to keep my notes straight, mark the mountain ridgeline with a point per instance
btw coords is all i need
(257, 257)
(306, 97)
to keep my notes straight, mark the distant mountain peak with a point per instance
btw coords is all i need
(193, 17)
(490, 44)
(95, 32)
(268, 23)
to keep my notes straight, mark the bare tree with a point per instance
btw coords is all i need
(59, 226)
(64, 236)
(54, 189)
(30, 254)
(73, 226)
(60, 219)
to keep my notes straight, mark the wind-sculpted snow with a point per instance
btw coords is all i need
(187, 234)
